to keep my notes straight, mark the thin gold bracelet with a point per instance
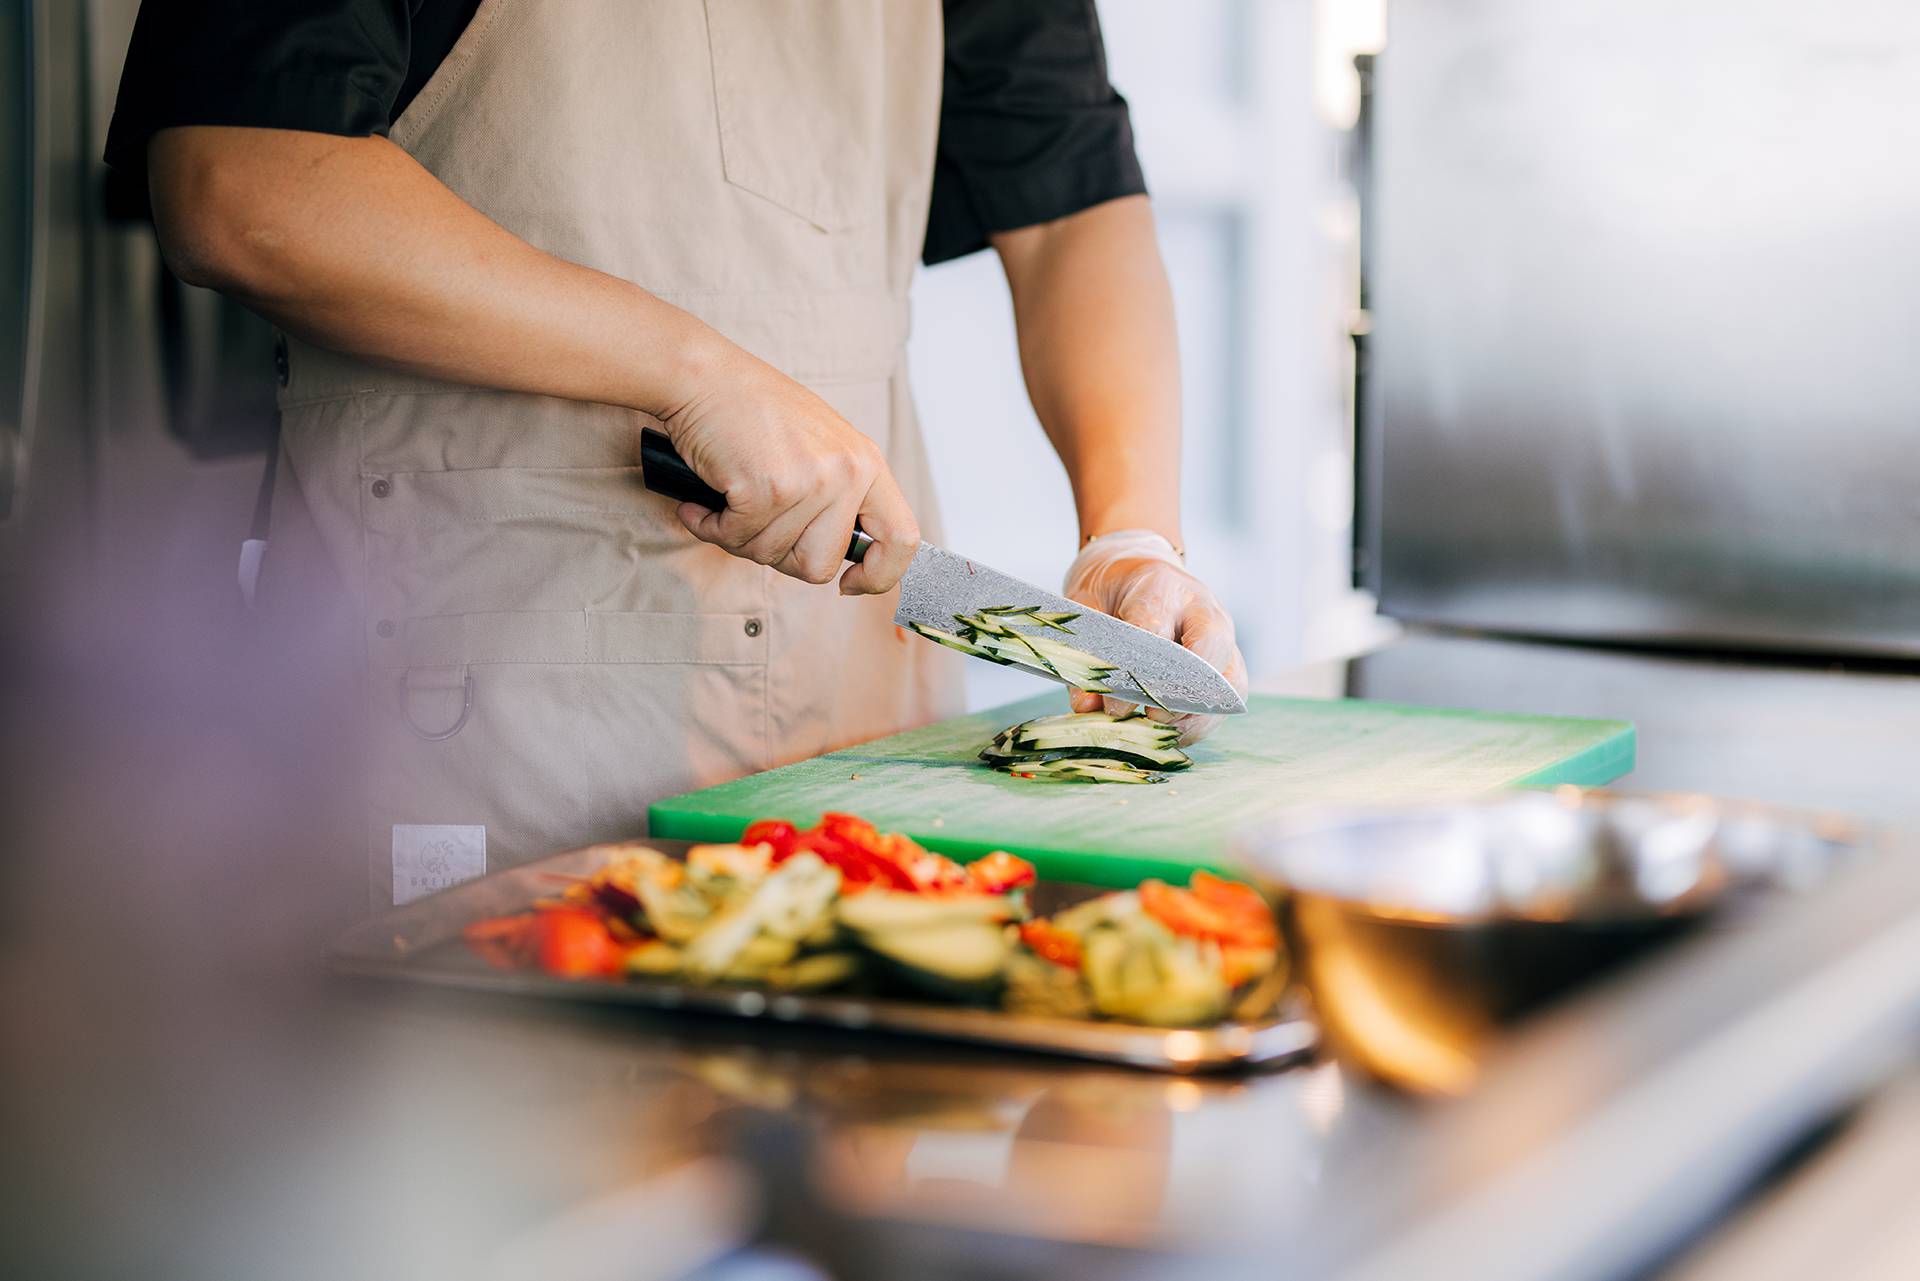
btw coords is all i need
(1178, 550)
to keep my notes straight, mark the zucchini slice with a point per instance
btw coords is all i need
(990, 633)
(1055, 619)
(1088, 747)
(960, 643)
(1169, 758)
(1127, 735)
(966, 960)
(815, 972)
(1080, 771)
(884, 911)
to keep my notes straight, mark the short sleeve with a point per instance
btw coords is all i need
(327, 66)
(1031, 129)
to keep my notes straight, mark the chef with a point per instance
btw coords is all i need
(502, 236)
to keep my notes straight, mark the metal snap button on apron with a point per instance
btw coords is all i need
(280, 364)
(384, 629)
(753, 627)
(381, 488)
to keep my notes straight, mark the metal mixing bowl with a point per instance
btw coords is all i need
(1420, 932)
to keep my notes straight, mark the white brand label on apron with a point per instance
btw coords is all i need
(428, 857)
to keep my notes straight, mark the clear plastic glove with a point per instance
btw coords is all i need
(1138, 577)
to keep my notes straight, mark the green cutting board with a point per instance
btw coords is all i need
(1284, 753)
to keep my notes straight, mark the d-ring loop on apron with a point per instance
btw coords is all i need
(466, 710)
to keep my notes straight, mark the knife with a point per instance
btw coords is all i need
(940, 586)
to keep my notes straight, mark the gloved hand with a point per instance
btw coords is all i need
(1138, 577)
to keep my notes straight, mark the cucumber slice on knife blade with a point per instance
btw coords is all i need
(960, 643)
(990, 633)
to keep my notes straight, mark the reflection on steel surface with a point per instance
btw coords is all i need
(1423, 931)
(1643, 298)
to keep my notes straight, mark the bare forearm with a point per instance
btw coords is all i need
(1098, 348)
(351, 244)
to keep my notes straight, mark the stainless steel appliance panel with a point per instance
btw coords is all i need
(1646, 290)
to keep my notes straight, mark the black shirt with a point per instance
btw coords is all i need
(1030, 127)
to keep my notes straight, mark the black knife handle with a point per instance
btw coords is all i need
(666, 473)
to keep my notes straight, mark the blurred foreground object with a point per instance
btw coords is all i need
(1422, 932)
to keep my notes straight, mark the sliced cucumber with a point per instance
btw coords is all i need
(1040, 987)
(1141, 972)
(676, 911)
(952, 641)
(816, 972)
(1132, 734)
(1070, 719)
(1136, 722)
(754, 963)
(884, 911)
(786, 907)
(1076, 668)
(1165, 759)
(1147, 693)
(1032, 614)
(1087, 747)
(655, 960)
(1080, 771)
(967, 959)
(983, 625)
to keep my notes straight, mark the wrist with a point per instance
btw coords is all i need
(1164, 535)
(1148, 544)
(1127, 503)
(686, 357)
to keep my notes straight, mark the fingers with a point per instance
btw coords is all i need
(799, 516)
(1148, 603)
(889, 521)
(821, 549)
(1208, 632)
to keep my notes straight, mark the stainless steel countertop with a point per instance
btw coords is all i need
(239, 1116)
(1825, 735)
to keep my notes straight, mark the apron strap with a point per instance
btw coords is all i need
(253, 549)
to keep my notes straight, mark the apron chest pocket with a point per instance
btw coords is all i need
(797, 91)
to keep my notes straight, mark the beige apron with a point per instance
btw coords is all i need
(547, 649)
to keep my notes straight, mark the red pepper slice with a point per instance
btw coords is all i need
(783, 836)
(574, 943)
(1236, 897)
(1185, 912)
(999, 872)
(1051, 943)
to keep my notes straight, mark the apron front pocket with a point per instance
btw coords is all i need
(550, 730)
(537, 540)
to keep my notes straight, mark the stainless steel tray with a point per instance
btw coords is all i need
(420, 943)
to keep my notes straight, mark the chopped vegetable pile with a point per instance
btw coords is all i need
(843, 905)
(994, 634)
(1088, 747)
